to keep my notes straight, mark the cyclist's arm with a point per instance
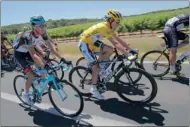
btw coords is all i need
(49, 42)
(53, 48)
(121, 42)
(34, 56)
(117, 45)
(40, 50)
(44, 45)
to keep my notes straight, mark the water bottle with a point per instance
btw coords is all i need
(105, 70)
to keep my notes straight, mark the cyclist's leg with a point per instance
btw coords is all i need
(171, 36)
(89, 56)
(40, 62)
(184, 37)
(21, 58)
(105, 50)
(105, 53)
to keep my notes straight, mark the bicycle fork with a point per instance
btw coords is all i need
(127, 74)
(58, 86)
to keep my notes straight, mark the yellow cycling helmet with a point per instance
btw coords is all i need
(116, 15)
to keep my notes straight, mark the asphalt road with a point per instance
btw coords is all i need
(169, 108)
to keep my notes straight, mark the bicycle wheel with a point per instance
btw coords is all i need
(65, 89)
(58, 73)
(18, 80)
(135, 64)
(14, 63)
(135, 92)
(83, 80)
(159, 61)
(82, 61)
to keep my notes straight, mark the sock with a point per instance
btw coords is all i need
(172, 68)
(94, 87)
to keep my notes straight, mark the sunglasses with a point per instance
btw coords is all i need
(42, 26)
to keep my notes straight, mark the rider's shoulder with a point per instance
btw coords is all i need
(25, 34)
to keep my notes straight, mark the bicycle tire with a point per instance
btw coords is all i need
(79, 95)
(161, 53)
(14, 64)
(60, 77)
(138, 65)
(15, 88)
(79, 60)
(80, 76)
(143, 72)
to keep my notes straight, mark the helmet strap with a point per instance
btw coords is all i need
(110, 23)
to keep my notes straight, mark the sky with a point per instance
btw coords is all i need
(14, 12)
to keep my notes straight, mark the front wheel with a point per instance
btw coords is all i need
(18, 85)
(156, 63)
(82, 62)
(62, 100)
(135, 92)
(136, 65)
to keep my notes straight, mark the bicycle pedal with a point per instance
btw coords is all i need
(39, 100)
(45, 93)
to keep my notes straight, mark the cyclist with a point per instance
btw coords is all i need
(90, 43)
(172, 34)
(25, 44)
(4, 50)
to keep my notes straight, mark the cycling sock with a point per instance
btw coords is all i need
(94, 86)
(26, 93)
(172, 68)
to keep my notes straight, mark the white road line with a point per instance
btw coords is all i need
(84, 117)
(186, 62)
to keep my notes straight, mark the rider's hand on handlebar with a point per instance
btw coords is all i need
(44, 54)
(65, 61)
(134, 51)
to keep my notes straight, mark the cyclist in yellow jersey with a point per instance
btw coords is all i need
(90, 43)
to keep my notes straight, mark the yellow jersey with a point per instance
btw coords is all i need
(97, 32)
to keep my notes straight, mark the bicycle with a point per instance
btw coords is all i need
(82, 60)
(164, 56)
(53, 83)
(11, 61)
(52, 60)
(85, 81)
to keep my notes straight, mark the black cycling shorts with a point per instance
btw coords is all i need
(22, 57)
(173, 36)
